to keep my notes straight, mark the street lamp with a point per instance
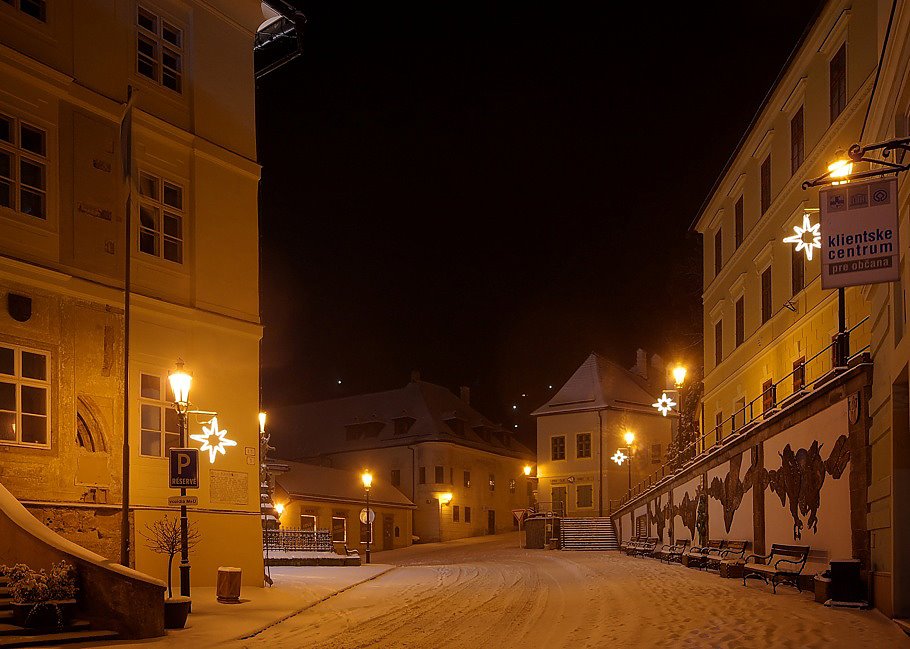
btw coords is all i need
(841, 168)
(629, 436)
(679, 375)
(527, 469)
(180, 386)
(367, 478)
(279, 507)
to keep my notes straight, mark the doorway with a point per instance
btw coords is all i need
(491, 522)
(388, 525)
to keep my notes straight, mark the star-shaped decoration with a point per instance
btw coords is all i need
(619, 457)
(664, 404)
(213, 440)
(807, 237)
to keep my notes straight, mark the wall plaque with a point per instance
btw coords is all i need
(228, 487)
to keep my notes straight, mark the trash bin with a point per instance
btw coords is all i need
(822, 587)
(228, 586)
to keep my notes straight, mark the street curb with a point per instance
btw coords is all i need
(312, 604)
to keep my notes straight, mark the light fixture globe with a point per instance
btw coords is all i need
(367, 478)
(629, 436)
(261, 422)
(527, 469)
(679, 375)
(180, 385)
(279, 507)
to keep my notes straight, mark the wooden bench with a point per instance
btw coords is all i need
(670, 553)
(697, 556)
(783, 564)
(731, 551)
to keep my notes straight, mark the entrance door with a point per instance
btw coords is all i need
(388, 525)
(491, 522)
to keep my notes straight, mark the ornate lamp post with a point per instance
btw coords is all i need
(180, 385)
(367, 479)
(629, 436)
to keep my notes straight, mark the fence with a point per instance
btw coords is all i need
(806, 375)
(297, 540)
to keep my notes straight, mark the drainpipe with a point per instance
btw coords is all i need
(600, 489)
(413, 486)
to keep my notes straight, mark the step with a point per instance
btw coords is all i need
(54, 639)
(903, 624)
(12, 629)
(6, 603)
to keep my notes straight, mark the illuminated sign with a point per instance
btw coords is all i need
(806, 237)
(213, 440)
(859, 224)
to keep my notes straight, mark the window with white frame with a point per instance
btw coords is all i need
(159, 425)
(339, 529)
(23, 167)
(24, 396)
(161, 217)
(37, 9)
(308, 522)
(159, 49)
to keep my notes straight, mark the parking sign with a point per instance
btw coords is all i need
(184, 468)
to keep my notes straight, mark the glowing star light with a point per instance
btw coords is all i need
(806, 237)
(664, 404)
(213, 440)
(619, 457)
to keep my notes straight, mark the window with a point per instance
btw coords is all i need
(439, 475)
(339, 529)
(837, 70)
(900, 309)
(797, 270)
(766, 295)
(738, 218)
(467, 514)
(403, 425)
(456, 514)
(740, 321)
(160, 218)
(396, 477)
(740, 414)
(422, 475)
(308, 522)
(512, 486)
(24, 396)
(655, 454)
(799, 374)
(767, 396)
(37, 9)
(451, 475)
(492, 482)
(766, 184)
(797, 142)
(366, 532)
(583, 445)
(23, 167)
(718, 427)
(159, 50)
(559, 499)
(159, 427)
(558, 448)
(718, 342)
(718, 251)
(467, 478)
(584, 496)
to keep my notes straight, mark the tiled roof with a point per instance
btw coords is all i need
(425, 412)
(600, 383)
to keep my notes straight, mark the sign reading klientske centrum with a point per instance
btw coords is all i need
(859, 233)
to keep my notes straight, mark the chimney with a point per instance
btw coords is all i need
(641, 364)
(465, 394)
(415, 376)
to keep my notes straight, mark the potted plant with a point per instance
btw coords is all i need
(42, 599)
(163, 537)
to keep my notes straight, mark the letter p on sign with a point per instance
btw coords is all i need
(184, 468)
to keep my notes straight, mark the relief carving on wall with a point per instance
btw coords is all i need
(659, 518)
(801, 476)
(731, 490)
(688, 509)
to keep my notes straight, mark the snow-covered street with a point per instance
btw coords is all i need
(486, 592)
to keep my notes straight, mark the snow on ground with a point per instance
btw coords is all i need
(489, 593)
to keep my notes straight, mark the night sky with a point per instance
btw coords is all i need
(487, 191)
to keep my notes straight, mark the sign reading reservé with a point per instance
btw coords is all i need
(859, 225)
(184, 468)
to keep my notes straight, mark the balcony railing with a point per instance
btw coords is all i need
(803, 380)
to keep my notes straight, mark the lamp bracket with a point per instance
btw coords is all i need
(879, 153)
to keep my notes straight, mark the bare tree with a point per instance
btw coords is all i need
(164, 538)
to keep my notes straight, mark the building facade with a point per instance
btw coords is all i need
(65, 70)
(464, 473)
(316, 497)
(583, 426)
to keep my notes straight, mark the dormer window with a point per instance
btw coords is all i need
(403, 425)
(457, 425)
(362, 430)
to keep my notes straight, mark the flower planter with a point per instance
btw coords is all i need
(53, 614)
(176, 610)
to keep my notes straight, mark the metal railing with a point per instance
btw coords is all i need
(830, 361)
(292, 540)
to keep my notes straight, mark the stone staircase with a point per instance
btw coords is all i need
(17, 636)
(587, 534)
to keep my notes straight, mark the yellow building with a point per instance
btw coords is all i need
(315, 497)
(581, 428)
(65, 69)
(464, 473)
